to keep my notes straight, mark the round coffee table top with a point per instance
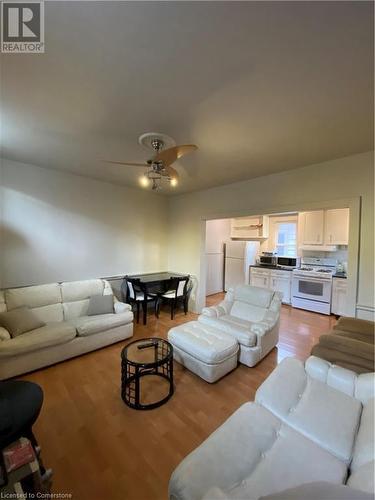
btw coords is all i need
(147, 351)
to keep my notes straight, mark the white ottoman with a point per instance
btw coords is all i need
(204, 350)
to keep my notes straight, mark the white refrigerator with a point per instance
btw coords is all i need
(239, 255)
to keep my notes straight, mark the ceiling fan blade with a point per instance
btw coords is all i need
(127, 163)
(172, 172)
(168, 156)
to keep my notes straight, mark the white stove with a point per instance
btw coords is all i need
(312, 284)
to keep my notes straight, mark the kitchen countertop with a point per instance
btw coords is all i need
(274, 268)
(339, 275)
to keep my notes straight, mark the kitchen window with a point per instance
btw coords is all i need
(286, 239)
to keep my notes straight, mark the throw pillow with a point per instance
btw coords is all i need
(100, 304)
(19, 321)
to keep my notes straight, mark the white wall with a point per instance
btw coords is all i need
(301, 189)
(60, 226)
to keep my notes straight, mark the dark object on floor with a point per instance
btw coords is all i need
(350, 344)
(20, 404)
(143, 358)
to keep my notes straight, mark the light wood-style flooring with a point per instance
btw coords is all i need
(100, 449)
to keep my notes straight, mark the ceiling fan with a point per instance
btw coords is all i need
(159, 167)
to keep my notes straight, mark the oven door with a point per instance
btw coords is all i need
(309, 288)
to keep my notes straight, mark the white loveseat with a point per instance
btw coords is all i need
(251, 315)
(68, 331)
(309, 423)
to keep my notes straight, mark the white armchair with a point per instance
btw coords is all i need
(251, 315)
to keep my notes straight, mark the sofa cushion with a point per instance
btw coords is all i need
(248, 312)
(49, 314)
(75, 309)
(33, 296)
(291, 461)
(207, 344)
(363, 478)
(346, 344)
(254, 295)
(324, 415)
(80, 290)
(100, 304)
(20, 320)
(47, 336)
(250, 455)
(356, 325)
(320, 490)
(240, 329)
(361, 336)
(89, 325)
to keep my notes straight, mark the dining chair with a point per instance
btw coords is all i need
(178, 290)
(135, 293)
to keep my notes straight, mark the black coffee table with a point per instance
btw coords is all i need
(146, 358)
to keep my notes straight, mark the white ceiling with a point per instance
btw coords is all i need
(260, 87)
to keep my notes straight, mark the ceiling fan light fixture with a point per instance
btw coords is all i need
(144, 181)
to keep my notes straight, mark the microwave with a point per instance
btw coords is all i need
(267, 260)
(288, 262)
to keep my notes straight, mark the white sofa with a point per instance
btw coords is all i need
(68, 331)
(251, 315)
(309, 423)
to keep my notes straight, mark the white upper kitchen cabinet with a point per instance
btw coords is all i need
(313, 227)
(250, 228)
(336, 230)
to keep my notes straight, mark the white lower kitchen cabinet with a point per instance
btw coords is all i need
(260, 277)
(277, 280)
(339, 293)
(281, 281)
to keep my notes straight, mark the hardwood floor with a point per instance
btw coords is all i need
(100, 449)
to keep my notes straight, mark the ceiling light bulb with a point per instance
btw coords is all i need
(174, 182)
(143, 181)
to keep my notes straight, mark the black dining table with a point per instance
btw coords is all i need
(155, 283)
(156, 279)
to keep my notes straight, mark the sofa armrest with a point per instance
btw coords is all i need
(268, 322)
(221, 309)
(360, 386)
(121, 307)
(4, 334)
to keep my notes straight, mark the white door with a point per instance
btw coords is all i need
(281, 283)
(259, 278)
(337, 227)
(234, 272)
(313, 228)
(215, 273)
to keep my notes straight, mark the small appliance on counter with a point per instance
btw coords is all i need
(267, 259)
(288, 262)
